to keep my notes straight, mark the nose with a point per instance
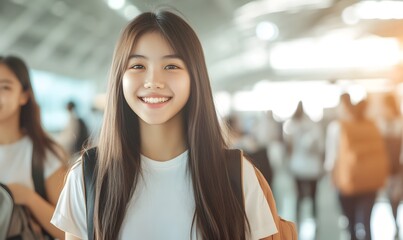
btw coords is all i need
(153, 84)
(153, 81)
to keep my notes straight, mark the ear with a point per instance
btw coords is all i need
(24, 97)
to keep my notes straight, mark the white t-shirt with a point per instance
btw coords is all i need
(16, 163)
(162, 206)
(332, 144)
(306, 139)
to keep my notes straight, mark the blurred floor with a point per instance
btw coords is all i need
(330, 225)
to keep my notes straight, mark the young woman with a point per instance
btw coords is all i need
(161, 171)
(22, 136)
(356, 157)
(304, 143)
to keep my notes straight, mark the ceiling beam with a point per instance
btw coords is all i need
(87, 45)
(95, 66)
(23, 22)
(57, 35)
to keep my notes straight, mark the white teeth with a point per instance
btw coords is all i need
(155, 100)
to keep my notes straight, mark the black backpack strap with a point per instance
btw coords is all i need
(88, 163)
(234, 166)
(38, 177)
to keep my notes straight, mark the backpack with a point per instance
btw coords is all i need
(362, 165)
(16, 221)
(286, 229)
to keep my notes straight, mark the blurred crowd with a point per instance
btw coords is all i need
(358, 145)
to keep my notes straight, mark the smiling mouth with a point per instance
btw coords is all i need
(154, 100)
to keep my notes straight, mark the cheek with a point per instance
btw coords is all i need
(10, 102)
(128, 86)
(186, 88)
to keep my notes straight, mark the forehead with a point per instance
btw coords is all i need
(6, 75)
(152, 43)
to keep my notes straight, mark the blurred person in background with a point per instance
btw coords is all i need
(21, 138)
(304, 144)
(356, 156)
(391, 126)
(255, 150)
(75, 134)
(237, 138)
(269, 136)
(267, 130)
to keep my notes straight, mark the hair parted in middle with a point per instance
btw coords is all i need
(218, 215)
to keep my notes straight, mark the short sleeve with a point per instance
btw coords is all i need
(70, 212)
(256, 207)
(52, 164)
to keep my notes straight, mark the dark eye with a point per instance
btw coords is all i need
(170, 67)
(137, 66)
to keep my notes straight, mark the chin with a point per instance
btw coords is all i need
(154, 120)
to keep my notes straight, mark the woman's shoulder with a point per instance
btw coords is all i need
(257, 207)
(249, 177)
(76, 170)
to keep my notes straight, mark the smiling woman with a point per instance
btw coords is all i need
(162, 164)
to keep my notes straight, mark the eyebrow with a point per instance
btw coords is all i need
(5, 81)
(171, 56)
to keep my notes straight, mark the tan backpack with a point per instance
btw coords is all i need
(286, 229)
(362, 165)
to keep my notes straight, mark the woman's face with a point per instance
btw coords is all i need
(156, 83)
(12, 96)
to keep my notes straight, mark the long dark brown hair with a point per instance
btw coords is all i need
(30, 118)
(218, 214)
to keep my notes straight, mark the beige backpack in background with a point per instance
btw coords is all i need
(362, 165)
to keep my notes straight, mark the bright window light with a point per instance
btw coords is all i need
(282, 98)
(380, 10)
(116, 4)
(258, 8)
(222, 101)
(371, 53)
(255, 58)
(375, 10)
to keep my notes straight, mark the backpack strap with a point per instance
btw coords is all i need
(234, 167)
(286, 229)
(88, 164)
(38, 177)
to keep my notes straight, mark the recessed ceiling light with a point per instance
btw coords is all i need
(116, 4)
(266, 31)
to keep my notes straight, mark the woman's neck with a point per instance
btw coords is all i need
(165, 141)
(10, 131)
